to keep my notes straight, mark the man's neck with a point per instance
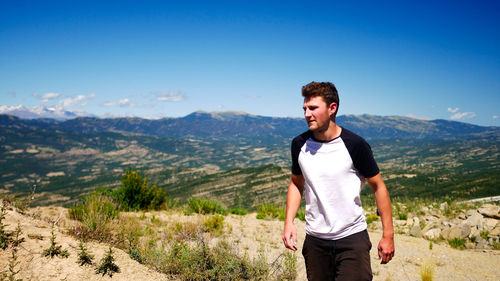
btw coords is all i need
(332, 132)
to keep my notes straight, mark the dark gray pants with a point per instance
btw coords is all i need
(344, 259)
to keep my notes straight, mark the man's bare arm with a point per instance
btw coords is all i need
(294, 196)
(386, 244)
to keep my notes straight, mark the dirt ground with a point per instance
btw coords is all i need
(252, 236)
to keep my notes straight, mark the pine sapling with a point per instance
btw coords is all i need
(84, 256)
(54, 249)
(107, 264)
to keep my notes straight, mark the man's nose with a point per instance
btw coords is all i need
(307, 113)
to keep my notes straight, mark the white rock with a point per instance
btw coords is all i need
(476, 219)
(495, 233)
(474, 232)
(459, 231)
(416, 221)
(445, 233)
(415, 231)
(432, 233)
(490, 223)
(490, 211)
(443, 206)
(471, 212)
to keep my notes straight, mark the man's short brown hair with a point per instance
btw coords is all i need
(326, 90)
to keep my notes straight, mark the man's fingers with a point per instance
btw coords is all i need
(385, 257)
(290, 241)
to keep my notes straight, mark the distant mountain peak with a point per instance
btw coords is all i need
(218, 115)
(41, 111)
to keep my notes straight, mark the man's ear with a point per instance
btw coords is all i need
(333, 108)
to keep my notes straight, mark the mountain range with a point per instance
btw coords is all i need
(237, 125)
(235, 155)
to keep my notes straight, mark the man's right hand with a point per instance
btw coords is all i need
(290, 236)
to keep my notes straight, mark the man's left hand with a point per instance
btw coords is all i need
(386, 249)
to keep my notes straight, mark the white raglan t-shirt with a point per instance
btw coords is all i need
(334, 173)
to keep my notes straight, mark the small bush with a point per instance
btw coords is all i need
(186, 230)
(135, 254)
(108, 265)
(457, 243)
(484, 234)
(221, 262)
(267, 211)
(95, 212)
(214, 224)
(84, 256)
(403, 216)
(371, 218)
(288, 270)
(301, 214)
(204, 206)
(427, 271)
(136, 194)
(238, 211)
(54, 249)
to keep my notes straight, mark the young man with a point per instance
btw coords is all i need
(332, 165)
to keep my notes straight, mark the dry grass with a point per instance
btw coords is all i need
(427, 270)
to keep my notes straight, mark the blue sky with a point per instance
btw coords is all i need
(426, 59)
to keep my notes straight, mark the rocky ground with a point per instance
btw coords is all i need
(251, 235)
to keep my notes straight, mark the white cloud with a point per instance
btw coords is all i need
(120, 103)
(79, 99)
(47, 96)
(463, 115)
(453, 110)
(170, 96)
(72, 100)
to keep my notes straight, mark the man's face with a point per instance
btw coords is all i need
(317, 113)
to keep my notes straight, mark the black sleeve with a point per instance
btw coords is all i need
(361, 154)
(297, 144)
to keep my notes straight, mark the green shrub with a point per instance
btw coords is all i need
(403, 216)
(457, 243)
(371, 218)
(84, 256)
(214, 224)
(301, 214)
(238, 211)
(204, 206)
(136, 194)
(108, 265)
(54, 249)
(200, 262)
(288, 270)
(484, 234)
(282, 214)
(267, 211)
(95, 212)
